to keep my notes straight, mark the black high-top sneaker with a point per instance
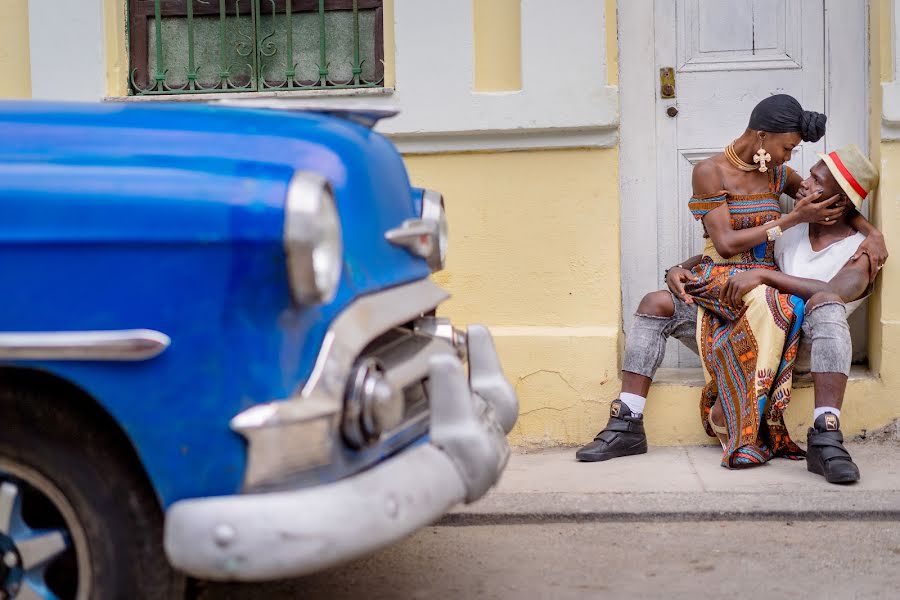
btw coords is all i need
(623, 436)
(826, 454)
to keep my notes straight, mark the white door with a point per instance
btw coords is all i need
(727, 55)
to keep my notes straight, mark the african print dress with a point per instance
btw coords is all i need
(748, 353)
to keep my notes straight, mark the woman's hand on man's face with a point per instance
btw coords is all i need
(810, 208)
(738, 285)
(676, 279)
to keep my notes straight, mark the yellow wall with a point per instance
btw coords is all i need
(116, 47)
(15, 63)
(498, 45)
(390, 78)
(884, 326)
(612, 44)
(881, 40)
(534, 254)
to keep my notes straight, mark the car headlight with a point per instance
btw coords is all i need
(433, 213)
(312, 239)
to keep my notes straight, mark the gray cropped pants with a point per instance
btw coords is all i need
(825, 345)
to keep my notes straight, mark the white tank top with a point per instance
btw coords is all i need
(795, 256)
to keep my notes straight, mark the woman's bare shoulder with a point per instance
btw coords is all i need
(707, 177)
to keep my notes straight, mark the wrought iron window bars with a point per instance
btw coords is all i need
(204, 46)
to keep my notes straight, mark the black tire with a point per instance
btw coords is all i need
(109, 511)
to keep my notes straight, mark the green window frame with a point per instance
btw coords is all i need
(220, 46)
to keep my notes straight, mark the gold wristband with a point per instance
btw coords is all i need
(773, 233)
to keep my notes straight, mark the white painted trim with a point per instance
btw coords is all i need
(524, 139)
(638, 81)
(432, 142)
(66, 42)
(846, 72)
(307, 97)
(890, 118)
(890, 91)
(895, 27)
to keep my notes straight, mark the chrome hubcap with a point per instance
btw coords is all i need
(37, 557)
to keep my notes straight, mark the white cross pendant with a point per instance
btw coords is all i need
(762, 157)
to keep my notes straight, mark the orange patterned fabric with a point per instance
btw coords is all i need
(748, 353)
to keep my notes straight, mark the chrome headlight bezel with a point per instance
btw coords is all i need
(313, 242)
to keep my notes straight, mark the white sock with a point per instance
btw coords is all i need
(821, 410)
(634, 402)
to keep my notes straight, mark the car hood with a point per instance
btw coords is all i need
(128, 172)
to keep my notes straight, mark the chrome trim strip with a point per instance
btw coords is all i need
(118, 345)
(359, 324)
(349, 334)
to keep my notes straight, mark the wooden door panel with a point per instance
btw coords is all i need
(726, 35)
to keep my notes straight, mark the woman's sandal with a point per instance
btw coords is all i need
(721, 432)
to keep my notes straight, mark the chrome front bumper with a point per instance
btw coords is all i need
(263, 536)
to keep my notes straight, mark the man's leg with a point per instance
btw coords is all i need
(658, 316)
(831, 352)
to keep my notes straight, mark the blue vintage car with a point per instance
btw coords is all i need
(219, 353)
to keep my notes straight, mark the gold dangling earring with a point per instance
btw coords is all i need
(762, 157)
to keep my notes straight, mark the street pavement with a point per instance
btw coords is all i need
(711, 560)
(668, 524)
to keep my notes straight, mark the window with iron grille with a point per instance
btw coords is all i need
(204, 46)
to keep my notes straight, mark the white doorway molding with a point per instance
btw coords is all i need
(846, 102)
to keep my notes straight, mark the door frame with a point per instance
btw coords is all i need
(846, 92)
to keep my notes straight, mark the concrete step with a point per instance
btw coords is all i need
(684, 483)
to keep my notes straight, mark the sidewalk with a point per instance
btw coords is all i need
(684, 484)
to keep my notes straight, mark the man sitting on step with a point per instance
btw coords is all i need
(820, 263)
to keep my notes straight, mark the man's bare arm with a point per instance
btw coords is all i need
(850, 284)
(681, 274)
(689, 263)
(873, 246)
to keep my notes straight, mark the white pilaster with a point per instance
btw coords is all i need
(890, 122)
(68, 61)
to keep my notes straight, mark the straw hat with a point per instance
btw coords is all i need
(854, 172)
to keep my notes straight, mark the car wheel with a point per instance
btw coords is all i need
(76, 522)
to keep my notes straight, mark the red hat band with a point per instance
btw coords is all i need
(847, 174)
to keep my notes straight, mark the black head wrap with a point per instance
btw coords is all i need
(783, 114)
